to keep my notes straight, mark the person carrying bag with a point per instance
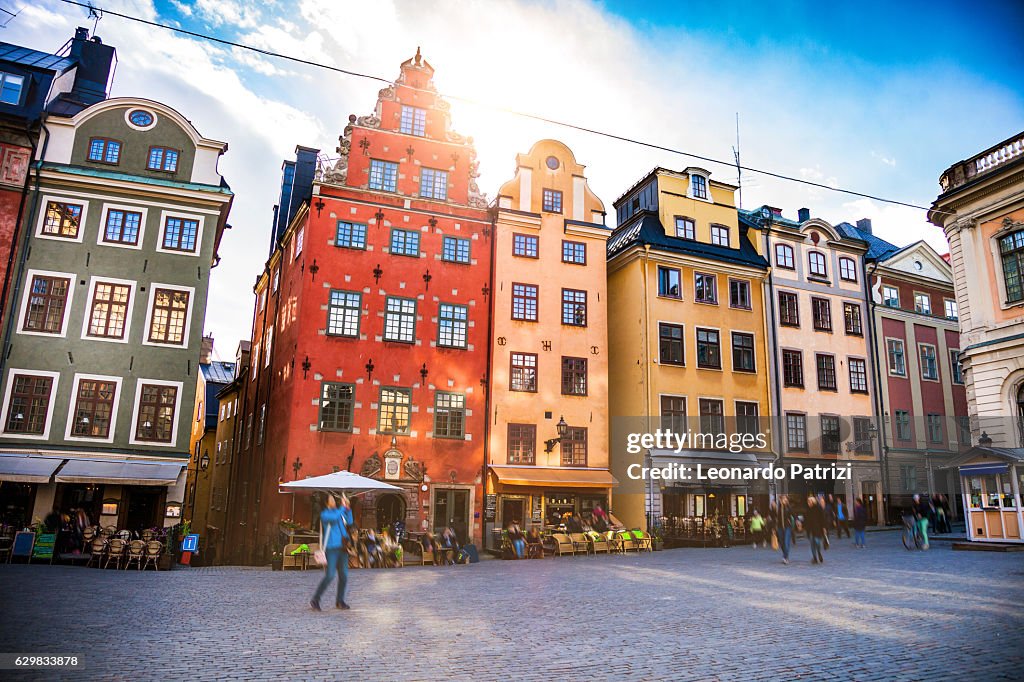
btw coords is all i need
(335, 522)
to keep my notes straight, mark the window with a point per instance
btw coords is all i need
(858, 375)
(957, 368)
(140, 118)
(383, 175)
(261, 428)
(739, 294)
(276, 280)
(524, 245)
(522, 443)
(816, 264)
(574, 447)
(523, 372)
(784, 256)
(574, 252)
(793, 368)
(10, 88)
(742, 352)
(405, 243)
(712, 416)
(449, 415)
(891, 297)
(47, 300)
(923, 304)
(963, 423)
(350, 235)
(673, 413)
(94, 405)
(433, 184)
(452, 324)
(574, 307)
(400, 319)
(897, 357)
(847, 269)
(720, 235)
(180, 234)
(929, 367)
(821, 310)
(167, 321)
(574, 376)
(29, 404)
(122, 227)
(699, 186)
(934, 428)
(830, 434)
(685, 228)
(950, 308)
(862, 435)
(669, 282)
(109, 310)
(670, 341)
(455, 250)
(104, 151)
(1011, 249)
(789, 309)
(298, 242)
(796, 432)
(709, 352)
(747, 420)
(902, 425)
(524, 302)
(908, 477)
(395, 407)
(414, 121)
(156, 413)
(343, 310)
(851, 318)
(826, 365)
(705, 288)
(552, 201)
(62, 220)
(162, 159)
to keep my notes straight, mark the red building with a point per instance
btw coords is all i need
(369, 345)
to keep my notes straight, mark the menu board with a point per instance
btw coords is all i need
(490, 507)
(538, 515)
(43, 548)
(23, 543)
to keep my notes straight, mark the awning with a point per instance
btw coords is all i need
(119, 471)
(27, 468)
(567, 477)
(982, 469)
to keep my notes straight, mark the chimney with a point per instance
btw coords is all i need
(92, 74)
(864, 225)
(803, 214)
(206, 350)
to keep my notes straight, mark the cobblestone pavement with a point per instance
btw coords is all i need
(738, 613)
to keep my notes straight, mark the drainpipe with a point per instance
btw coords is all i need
(879, 406)
(486, 539)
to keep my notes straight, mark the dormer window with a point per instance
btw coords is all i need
(103, 150)
(698, 186)
(552, 201)
(414, 121)
(10, 88)
(720, 235)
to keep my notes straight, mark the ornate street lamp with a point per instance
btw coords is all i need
(563, 428)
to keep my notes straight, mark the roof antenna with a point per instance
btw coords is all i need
(736, 156)
(11, 16)
(95, 15)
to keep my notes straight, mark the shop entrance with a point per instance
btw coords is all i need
(451, 508)
(141, 510)
(390, 508)
(16, 502)
(513, 509)
(870, 496)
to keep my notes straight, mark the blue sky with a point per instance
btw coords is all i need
(875, 97)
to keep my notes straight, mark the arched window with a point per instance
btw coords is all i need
(848, 269)
(816, 263)
(1011, 248)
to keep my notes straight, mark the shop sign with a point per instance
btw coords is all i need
(43, 548)
(538, 515)
(190, 543)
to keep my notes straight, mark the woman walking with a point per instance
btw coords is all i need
(815, 528)
(334, 523)
(860, 522)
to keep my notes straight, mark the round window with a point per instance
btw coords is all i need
(141, 118)
(552, 163)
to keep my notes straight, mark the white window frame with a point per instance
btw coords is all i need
(164, 215)
(101, 236)
(920, 360)
(886, 287)
(946, 302)
(707, 187)
(888, 365)
(135, 413)
(149, 315)
(74, 402)
(853, 266)
(692, 224)
(922, 296)
(29, 276)
(268, 345)
(87, 315)
(953, 363)
(41, 220)
(45, 435)
(728, 237)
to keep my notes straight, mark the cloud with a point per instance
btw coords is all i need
(221, 12)
(884, 159)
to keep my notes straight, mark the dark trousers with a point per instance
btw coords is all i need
(842, 526)
(337, 563)
(816, 541)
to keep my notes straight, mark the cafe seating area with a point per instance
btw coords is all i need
(718, 531)
(123, 549)
(555, 544)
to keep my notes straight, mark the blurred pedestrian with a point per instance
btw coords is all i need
(842, 519)
(757, 528)
(860, 522)
(815, 524)
(785, 528)
(335, 520)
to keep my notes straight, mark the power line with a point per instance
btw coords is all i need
(522, 114)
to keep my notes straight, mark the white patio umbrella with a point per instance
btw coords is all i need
(338, 482)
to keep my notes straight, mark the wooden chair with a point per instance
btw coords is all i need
(563, 544)
(642, 541)
(109, 531)
(154, 548)
(97, 548)
(597, 543)
(534, 550)
(136, 553)
(579, 543)
(628, 542)
(147, 535)
(115, 552)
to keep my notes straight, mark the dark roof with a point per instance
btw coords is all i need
(24, 56)
(878, 248)
(645, 228)
(218, 372)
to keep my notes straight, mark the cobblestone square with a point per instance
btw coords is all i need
(686, 614)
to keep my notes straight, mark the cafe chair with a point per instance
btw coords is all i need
(147, 535)
(579, 543)
(598, 543)
(642, 540)
(97, 550)
(115, 552)
(88, 534)
(154, 548)
(615, 543)
(136, 553)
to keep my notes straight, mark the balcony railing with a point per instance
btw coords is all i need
(960, 173)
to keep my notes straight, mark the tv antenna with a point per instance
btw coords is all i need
(736, 157)
(95, 15)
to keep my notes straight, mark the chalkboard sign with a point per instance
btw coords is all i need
(23, 541)
(490, 507)
(538, 516)
(43, 548)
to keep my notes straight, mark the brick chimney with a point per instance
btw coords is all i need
(206, 350)
(804, 214)
(864, 225)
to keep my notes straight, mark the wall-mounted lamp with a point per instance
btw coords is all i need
(563, 428)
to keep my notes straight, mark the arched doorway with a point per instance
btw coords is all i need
(390, 508)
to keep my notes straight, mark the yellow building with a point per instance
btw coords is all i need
(548, 442)
(685, 291)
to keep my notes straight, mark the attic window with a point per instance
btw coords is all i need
(10, 88)
(140, 119)
(698, 186)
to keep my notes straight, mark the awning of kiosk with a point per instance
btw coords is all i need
(119, 472)
(27, 469)
(982, 469)
(562, 478)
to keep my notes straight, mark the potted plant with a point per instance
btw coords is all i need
(275, 561)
